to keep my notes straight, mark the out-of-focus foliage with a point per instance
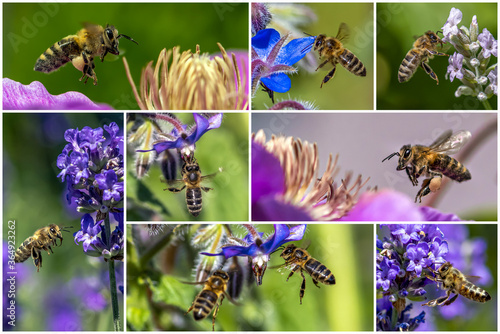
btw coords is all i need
(344, 90)
(34, 197)
(225, 147)
(30, 28)
(397, 24)
(157, 300)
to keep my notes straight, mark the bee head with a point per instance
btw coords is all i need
(443, 270)
(111, 37)
(319, 41)
(405, 156)
(433, 37)
(288, 251)
(222, 274)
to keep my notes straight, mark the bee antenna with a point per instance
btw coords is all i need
(307, 34)
(277, 249)
(390, 156)
(127, 37)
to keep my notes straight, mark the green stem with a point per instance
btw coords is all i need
(486, 104)
(112, 281)
(155, 249)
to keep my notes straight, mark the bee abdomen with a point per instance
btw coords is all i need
(408, 66)
(352, 63)
(24, 251)
(55, 56)
(474, 292)
(452, 168)
(319, 272)
(204, 303)
(193, 200)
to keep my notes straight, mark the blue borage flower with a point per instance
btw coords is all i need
(272, 60)
(259, 250)
(183, 137)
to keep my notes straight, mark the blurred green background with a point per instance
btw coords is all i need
(397, 23)
(34, 197)
(225, 147)
(344, 90)
(29, 29)
(156, 300)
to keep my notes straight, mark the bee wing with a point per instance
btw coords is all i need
(451, 143)
(472, 279)
(343, 33)
(172, 183)
(211, 176)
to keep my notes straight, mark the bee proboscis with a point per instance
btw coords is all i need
(333, 51)
(191, 180)
(434, 161)
(452, 280)
(424, 48)
(91, 41)
(212, 295)
(299, 260)
(42, 239)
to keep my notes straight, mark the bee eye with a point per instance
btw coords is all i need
(407, 153)
(109, 33)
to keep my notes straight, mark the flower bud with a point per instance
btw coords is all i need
(474, 46)
(468, 74)
(463, 90)
(463, 35)
(482, 80)
(474, 62)
(473, 29)
(482, 97)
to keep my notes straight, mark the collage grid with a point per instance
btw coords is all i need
(291, 210)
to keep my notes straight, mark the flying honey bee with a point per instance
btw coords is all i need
(299, 260)
(43, 239)
(433, 161)
(453, 281)
(332, 50)
(214, 289)
(424, 49)
(191, 180)
(80, 49)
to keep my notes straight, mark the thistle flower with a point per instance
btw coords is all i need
(17, 96)
(193, 81)
(470, 62)
(272, 60)
(401, 257)
(296, 191)
(259, 249)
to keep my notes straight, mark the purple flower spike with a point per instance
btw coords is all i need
(450, 28)
(17, 96)
(271, 60)
(89, 233)
(488, 43)
(417, 254)
(91, 138)
(455, 66)
(107, 181)
(79, 165)
(386, 273)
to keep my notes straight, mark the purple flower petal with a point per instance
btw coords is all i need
(263, 165)
(17, 96)
(268, 208)
(431, 214)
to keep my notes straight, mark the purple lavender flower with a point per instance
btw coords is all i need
(492, 77)
(451, 26)
(272, 61)
(404, 322)
(89, 235)
(418, 256)
(260, 250)
(108, 181)
(488, 43)
(455, 67)
(387, 271)
(17, 96)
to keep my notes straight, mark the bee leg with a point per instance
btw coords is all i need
(88, 69)
(411, 175)
(215, 312)
(316, 283)
(174, 190)
(322, 64)
(435, 53)
(329, 76)
(451, 300)
(190, 309)
(294, 269)
(429, 71)
(425, 190)
(302, 287)
(206, 189)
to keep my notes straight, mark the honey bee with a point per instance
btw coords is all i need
(453, 281)
(434, 161)
(80, 49)
(300, 260)
(214, 288)
(191, 178)
(424, 49)
(332, 50)
(43, 239)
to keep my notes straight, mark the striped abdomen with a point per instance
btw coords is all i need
(319, 272)
(352, 63)
(193, 200)
(204, 304)
(57, 55)
(24, 251)
(409, 65)
(451, 168)
(474, 292)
